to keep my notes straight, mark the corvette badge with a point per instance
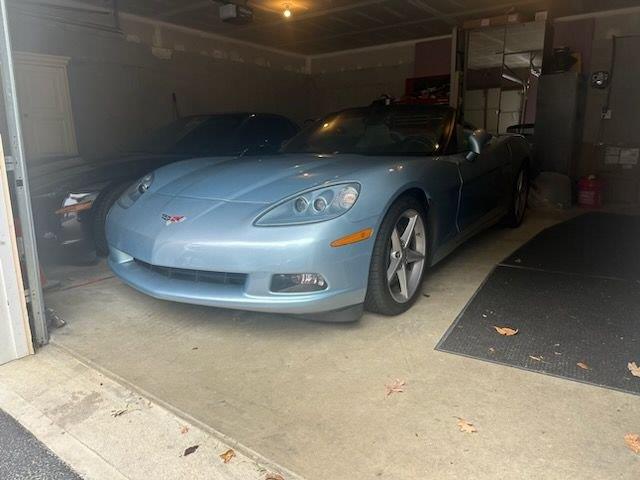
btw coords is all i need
(171, 219)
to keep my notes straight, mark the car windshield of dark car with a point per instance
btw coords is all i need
(199, 135)
(406, 130)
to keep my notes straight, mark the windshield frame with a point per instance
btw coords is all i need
(448, 114)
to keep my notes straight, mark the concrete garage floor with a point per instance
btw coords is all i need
(311, 396)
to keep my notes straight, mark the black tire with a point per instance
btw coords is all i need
(516, 212)
(379, 298)
(100, 209)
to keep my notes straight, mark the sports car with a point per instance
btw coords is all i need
(348, 216)
(72, 195)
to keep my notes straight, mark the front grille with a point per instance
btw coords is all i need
(202, 276)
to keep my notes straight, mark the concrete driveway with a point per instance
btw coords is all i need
(312, 397)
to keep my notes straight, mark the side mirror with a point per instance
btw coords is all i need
(477, 142)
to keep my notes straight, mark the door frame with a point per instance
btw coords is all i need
(16, 320)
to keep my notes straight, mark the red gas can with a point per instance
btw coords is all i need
(590, 192)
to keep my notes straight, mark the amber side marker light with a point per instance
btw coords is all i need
(353, 238)
(77, 207)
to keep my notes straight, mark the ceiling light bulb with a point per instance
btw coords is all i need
(287, 12)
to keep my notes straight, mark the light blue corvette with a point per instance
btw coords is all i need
(348, 216)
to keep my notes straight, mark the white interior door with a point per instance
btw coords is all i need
(15, 335)
(45, 105)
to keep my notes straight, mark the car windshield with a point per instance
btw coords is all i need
(203, 134)
(394, 130)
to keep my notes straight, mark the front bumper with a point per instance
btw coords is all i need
(241, 248)
(233, 296)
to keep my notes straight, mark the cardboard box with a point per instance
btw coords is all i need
(623, 160)
(512, 18)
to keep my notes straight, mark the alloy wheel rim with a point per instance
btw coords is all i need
(407, 253)
(521, 194)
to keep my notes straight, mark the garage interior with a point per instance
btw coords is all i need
(383, 397)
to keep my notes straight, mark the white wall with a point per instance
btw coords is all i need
(357, 77)
(353, 88)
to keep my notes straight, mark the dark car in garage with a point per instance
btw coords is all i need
(72, 195)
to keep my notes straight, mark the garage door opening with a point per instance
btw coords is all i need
(201, 175)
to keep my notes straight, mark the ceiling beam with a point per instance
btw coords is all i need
(378, 47)
(69, 5)
(422, 5)
(185, 9)
(369, 18)
(202, 4)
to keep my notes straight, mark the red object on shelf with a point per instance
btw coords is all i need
(590, 192)
(433, 90)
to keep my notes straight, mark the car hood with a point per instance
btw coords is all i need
(261, 179)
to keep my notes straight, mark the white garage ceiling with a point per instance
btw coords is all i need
(320, 26)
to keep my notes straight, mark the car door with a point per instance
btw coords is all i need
(483, 181)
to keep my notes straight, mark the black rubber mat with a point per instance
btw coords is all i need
(576, 321)
(599, 244)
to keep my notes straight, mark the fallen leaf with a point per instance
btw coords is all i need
(274, 476)
(634, 369)
(583, 366)
(395, 387)
(492, 350)
(227, 456)
(518, 260)
(538, 359)
(506, 331)
(426, 295)
(465, 426)
(184, 429)
(194, 348)
(633, 442)
(190, 450)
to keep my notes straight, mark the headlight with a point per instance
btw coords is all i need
(135, 191)
(318, 205)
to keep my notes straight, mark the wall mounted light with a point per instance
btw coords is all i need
(287, 12)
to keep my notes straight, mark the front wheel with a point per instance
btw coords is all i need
(399, 258)
(101, 207)
(519, 198)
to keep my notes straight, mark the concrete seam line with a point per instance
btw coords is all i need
(220, 436)
(70, 449)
